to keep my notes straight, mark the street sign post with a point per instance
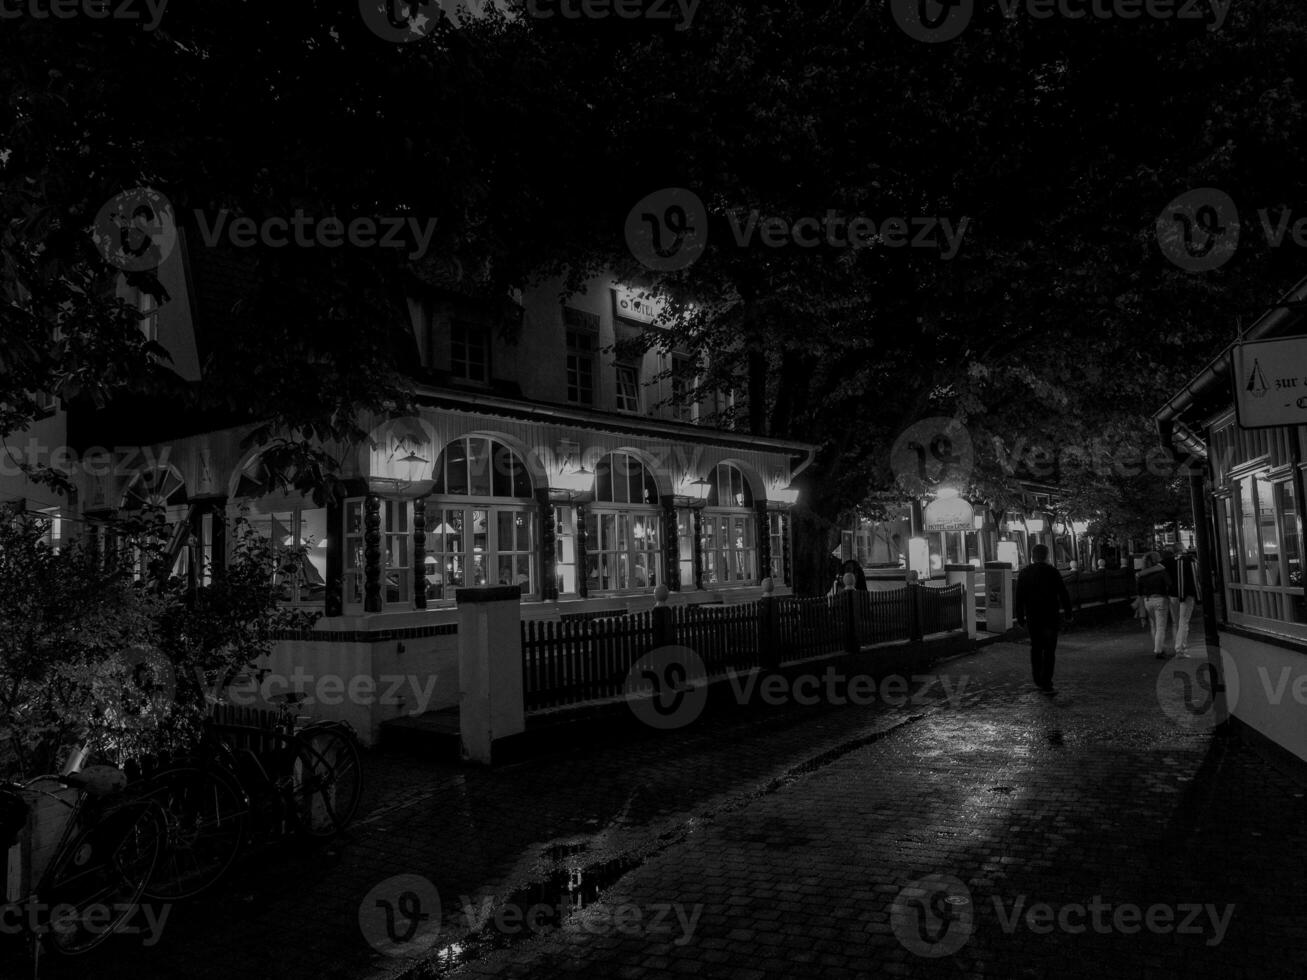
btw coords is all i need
(1270, 382)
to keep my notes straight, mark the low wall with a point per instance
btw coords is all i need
(360, 677)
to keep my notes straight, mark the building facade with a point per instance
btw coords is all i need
(541, 457)
(1247, 486)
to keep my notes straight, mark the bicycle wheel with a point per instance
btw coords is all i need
(207, 816)
(96, 880)
(326, 782)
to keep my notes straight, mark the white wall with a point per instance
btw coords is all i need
(1272, 692)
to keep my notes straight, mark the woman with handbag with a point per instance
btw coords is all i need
(1155, 585)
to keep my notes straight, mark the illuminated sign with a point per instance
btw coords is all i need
(949, 514)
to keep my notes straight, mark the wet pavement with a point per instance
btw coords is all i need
(990, 831)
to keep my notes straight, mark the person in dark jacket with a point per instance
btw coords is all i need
(859, 577)
(1183, 570)
(1154, 586)
(1039, 591)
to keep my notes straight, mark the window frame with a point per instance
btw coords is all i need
(684, 377)
(440, 508)
(1272, 602)
(354, 576)
(472, 331)
(626, 400)
(580, 360)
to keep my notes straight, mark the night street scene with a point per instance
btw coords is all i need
(644, 489)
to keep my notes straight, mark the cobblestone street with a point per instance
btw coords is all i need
(777, 842)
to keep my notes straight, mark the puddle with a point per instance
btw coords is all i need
(549, 904)
(565, 891)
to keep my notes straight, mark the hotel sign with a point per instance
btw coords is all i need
(1270, 383)
(634, 304)
(949, 514)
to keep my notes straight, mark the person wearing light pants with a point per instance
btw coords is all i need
(1155, 586)
(1184, 593)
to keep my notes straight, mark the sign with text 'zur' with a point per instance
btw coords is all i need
(1270, 382)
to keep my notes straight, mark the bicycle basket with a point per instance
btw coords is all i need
(13, 818)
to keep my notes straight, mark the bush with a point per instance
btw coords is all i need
(120, 655)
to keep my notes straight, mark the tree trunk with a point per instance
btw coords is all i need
(814, 539)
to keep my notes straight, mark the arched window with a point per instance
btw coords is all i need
(481, 520)
(730, 529)
(729, 488)
(622, 527)
(160, 487)
(475, 466)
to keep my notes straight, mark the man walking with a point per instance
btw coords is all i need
(1039, 591)
(1183, 595)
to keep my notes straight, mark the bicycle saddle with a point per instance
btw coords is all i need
(292, 697)
(98, 780)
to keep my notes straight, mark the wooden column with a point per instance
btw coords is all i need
(698, 548)
(763, 530)
(196, 546)
(335, 597)
(671, 545)
(372, 553)
(219, 543)
(787, 549)
(547, 547)
(582, 572)
(420, 553)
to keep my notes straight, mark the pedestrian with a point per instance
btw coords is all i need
(859, 578)
(1039, 591)
(1154, 586)
(1183, 570)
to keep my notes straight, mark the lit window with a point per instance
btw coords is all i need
(396, 558)
(622, 528)
(730, 542)
(776, 528)
(490, 541)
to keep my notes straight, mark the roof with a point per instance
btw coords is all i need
(1209, 390)
(606, 421)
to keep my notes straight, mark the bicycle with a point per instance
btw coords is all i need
(108, 849)
(305, 776)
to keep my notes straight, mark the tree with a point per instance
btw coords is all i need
(529, 141)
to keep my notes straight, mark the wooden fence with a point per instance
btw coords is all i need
(590, 658)
(1087, 588)
(582, 659)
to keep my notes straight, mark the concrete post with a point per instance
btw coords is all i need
(963, 575)
(848, 598)
(998, 597)
(490, 700)
(769, 640)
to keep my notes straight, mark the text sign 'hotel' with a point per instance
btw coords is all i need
(1270, 382)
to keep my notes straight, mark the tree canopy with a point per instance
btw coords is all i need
(1051, 146)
